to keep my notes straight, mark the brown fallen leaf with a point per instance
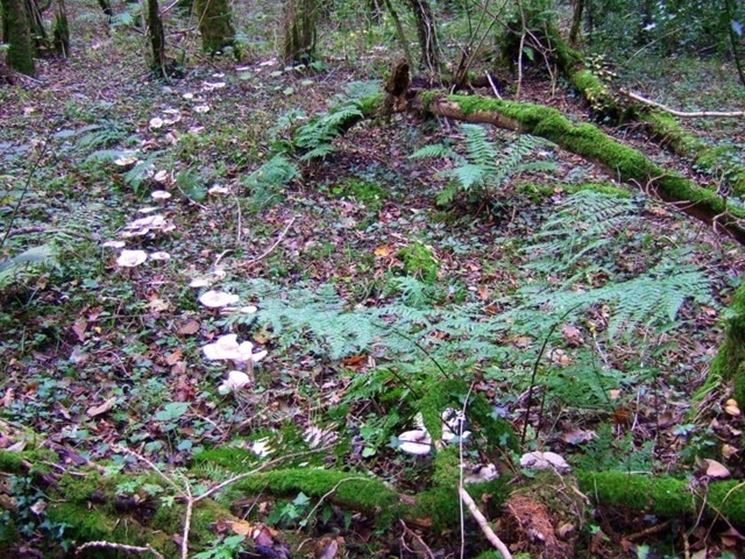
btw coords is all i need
(79, 327)
(93, 411)
(327, 548)
(175, 357)
(383, 251)
(732, 408)
(578, 436)
(241, 527)
(572, 335)
(715, 469)
(189, 328)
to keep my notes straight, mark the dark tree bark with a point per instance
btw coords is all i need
(106, 7)
(17, 33)
(574, 32)
(157, 38)
(300, 31)
(400, 34)
(426, 28)
(215, 24)
(61, 30)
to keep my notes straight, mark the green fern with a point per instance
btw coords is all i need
(485, 170)
(583, 229)
(316, 137)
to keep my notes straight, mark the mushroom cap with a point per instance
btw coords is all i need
(159, 255)
(202, 109)
(538, 460)
(236, 381)
(416, 442)
(131, 258)
(227, 348)
(214, 299)
(160, 195)
(156, 123)
(114, 244)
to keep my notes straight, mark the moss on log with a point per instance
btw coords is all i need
(661, 126)
(587, 140)
(729, 363)
(665, 495)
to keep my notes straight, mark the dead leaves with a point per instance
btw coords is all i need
(101, 409)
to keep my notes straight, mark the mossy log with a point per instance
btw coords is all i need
(665, 496)
(660, 125)
(587, 140)
(729, 363)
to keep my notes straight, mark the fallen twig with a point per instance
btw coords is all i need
(268, 251)
(480, 519)
(119, 547)
(682, 114)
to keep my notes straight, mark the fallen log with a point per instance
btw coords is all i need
(624, 163)
(657, 119)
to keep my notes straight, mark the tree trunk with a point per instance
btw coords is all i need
(400, 34)
(215, 24)
(427, 32)
(300, 31)
(61, 30)
(574, 33)
(157, 38)
(17, 33)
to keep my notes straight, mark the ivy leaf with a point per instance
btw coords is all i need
(172, 411)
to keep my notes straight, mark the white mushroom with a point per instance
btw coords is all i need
(156, 123)
(217, 189)
(538, 460)
(200, 282)
(114, 244)
(227, 348)
(125, 160)
(248, 309)
(214, 299)
(160, 195)
(237, 380)
(202, 108)
(161, 176)
(416, 442)
(131, 258)
(160, 255)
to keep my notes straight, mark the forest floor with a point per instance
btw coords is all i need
(94, 355)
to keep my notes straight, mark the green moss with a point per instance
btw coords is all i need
(593, 89)
(587, 140)
(368, 193)
(664, 495)
(441, 505)
(215, 25)
(17, 34)
(665, 128)
(729, 363)
(85, 523)
(420, 262)
(447, 467)
(602, 187)
(18, 462)
(354, 490)
(535, 192)
(228, 457)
